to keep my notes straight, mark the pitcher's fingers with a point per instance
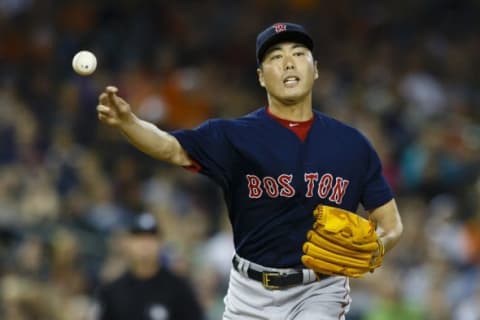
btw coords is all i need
(102, 117)
(103, 98)
(103, 109)
(122, 105)
(112, 96)
(112, 93)
(111, 89)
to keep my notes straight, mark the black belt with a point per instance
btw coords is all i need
(272, 280)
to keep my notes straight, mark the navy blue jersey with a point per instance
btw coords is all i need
(272, 180)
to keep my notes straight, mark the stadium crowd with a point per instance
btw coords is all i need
(403, 72)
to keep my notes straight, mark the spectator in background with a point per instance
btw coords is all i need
(147, 291)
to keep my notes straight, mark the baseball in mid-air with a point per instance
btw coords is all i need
(84, 63)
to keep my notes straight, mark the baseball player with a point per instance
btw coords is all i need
(292, 179)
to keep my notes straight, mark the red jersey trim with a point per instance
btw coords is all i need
(300, 128)
(194, 167)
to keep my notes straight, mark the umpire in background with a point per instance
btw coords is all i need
(147, 291)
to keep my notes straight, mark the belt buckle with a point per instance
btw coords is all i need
(266, 280)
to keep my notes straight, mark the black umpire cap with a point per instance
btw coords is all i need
(144, 223)
(280, 32)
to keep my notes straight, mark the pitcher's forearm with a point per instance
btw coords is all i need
(389, 224)
(155, 142)
(390, 238)
(116, 112)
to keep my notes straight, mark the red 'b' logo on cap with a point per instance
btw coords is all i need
(280, 27)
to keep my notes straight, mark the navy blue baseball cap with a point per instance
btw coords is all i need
(281, 32)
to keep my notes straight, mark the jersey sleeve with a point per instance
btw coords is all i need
(376, 191)
(209, 148)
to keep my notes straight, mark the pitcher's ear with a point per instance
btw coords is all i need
(260, 76)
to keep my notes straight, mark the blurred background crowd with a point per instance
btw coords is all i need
(404, 72)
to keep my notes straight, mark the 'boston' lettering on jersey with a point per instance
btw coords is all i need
(282, 187)
(276, 182)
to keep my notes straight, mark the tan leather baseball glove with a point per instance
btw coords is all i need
(342, 243)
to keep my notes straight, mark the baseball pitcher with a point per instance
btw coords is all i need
(293, 179)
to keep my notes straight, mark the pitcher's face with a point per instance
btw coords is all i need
(287, 72)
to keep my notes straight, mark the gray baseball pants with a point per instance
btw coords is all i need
(327, 299)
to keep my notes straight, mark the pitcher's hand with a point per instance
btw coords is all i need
(112, 109)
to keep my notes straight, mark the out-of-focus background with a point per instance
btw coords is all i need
(405, 73)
